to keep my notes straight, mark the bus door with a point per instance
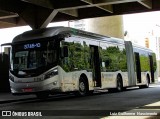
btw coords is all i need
(151, 67)
(95, 64)
(138, 67)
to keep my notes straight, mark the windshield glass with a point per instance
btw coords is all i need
(34, 55)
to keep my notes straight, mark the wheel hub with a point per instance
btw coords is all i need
(82, 87)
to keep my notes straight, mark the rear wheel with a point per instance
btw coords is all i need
(119, 84)
(147, 83)
(119, 87)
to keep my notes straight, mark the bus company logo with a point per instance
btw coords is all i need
(6, 113)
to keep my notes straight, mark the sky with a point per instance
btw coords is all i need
(140, 25)
(141, 22)
(137, 25)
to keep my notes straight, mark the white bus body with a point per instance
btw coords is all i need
(79, 61)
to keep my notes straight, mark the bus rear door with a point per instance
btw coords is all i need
(138, 67)
(151, 67)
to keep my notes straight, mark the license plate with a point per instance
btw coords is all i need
(27, 90)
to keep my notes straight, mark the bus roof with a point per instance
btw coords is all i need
(141, 47)
(54, 31)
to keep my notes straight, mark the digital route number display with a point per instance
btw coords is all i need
(32, 46)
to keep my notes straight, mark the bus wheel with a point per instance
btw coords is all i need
(119, 84)
(42, 95)
(82, 87)
(147, 82)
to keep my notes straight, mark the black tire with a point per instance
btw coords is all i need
(119, 84)
(42, 95)
(146, 85)
(147, 79)
(83, 88)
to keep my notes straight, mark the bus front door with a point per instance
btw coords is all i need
(95, 62)
(138, 67)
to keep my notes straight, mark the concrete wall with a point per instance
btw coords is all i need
(110, 26)
(158, 68)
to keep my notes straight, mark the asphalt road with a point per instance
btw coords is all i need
(89, 107)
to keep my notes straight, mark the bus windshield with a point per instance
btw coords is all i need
(34, 55)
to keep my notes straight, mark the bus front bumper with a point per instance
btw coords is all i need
(49, 85)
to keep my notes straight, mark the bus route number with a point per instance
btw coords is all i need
(31, 46)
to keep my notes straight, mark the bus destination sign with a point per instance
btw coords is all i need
(32, 45)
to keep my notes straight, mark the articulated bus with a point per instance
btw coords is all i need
(62, 59)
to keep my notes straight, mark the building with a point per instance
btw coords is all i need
(109, 26)
(146, 42)
(153, 42)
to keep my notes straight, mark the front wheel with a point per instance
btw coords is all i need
(82, 87)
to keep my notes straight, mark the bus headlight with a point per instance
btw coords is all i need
(51, 73)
